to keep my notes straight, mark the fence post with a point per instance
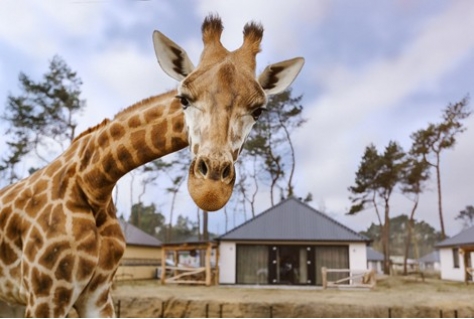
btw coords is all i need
(324, 277)
(162, 314)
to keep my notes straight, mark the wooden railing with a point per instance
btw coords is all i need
(356, 279)
(206, 275)
(185, 275)
(469, 272)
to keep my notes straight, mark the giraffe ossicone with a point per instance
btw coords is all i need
(222, 98)
(60, 240)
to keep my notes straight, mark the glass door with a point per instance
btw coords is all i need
(291, 265)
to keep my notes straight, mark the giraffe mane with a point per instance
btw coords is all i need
(91, 130)
(140, 104)
(127, 110)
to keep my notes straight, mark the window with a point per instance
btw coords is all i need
(335, 257)
(456, 257)
(252, 264)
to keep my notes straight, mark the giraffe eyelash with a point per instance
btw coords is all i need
(184, 100)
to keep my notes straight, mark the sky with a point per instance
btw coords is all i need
(375, 71)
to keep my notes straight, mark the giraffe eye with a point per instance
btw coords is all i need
(184, 101)
(256, 113)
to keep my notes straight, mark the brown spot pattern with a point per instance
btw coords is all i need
(52, 253)
(134, 121)
(40, 283)
(42, 311)
(116, 131)
(124, 156)
(109, 165)
(62, 298)
(64, 268)
(85, 268)
(7, 254)
(158, 133)
(152, 114)
(103, 140)
(34, 244)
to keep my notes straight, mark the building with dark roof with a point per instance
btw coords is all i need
(288, 244)
(430, 262)
(134, 236)
(142, 254)
(456, 256)
(374, 260)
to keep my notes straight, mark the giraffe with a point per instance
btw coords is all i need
(60, 240)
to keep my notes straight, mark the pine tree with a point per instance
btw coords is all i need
(42, 116)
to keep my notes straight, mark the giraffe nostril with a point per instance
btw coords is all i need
(226, 171)
(202, 167)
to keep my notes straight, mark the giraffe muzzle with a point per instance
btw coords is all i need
(211, 182)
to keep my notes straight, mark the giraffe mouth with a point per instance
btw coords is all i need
(210, 183)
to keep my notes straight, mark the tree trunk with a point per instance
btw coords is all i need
(293, 161)
(272, 186)
(411, 223)
(205, 222)
(440, 205)
(199, 224)
(377, 210)
(254, 194)
(386, 239)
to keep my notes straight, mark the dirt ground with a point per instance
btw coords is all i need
(392, 297)
(391, 291)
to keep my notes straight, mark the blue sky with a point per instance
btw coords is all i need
(375, 71)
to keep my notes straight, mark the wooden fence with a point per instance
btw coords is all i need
(357, 278)
(188, 275)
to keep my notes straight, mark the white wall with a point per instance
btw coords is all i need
(227, 263)
(448, 272)
(375, 265)
(358, 256)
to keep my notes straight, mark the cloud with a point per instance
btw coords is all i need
(284, 23)
(38, 28)
(356, 91)
(355, 105)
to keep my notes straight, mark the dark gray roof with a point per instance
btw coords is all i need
(466, 237)
(292, 220)
(136, 236)
(431, 257)
(193, 239)
(373, 255)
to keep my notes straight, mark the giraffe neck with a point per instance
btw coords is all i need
(144, 132)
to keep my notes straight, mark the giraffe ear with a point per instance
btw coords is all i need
(277, 77)
(171, 57)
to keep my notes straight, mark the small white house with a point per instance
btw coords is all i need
(456, 254)
(288, 245)
(374, 260)
(430, 262)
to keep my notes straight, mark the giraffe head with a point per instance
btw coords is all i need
(222, 99)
